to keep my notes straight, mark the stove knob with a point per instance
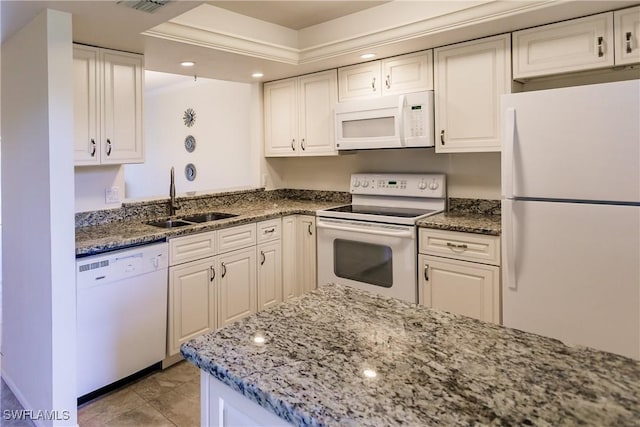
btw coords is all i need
(365, 184)
(356, 183)
(433, 185)
(422, 185)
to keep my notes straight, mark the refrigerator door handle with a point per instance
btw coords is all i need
(507, 152)
(508, 252)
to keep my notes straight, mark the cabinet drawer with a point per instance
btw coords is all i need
(236, 237)
(463, 246)
(269, 230)
(191, 248)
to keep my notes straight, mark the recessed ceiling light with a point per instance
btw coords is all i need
(257, 75)
(187, 63)
(368, 56)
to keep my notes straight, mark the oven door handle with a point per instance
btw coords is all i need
(378, 232)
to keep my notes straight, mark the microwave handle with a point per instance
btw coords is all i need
(402, 102)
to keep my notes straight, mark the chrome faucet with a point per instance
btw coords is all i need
(173, 205)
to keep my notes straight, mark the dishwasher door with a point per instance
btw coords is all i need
(121, 314)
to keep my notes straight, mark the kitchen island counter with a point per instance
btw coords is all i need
(340, 356)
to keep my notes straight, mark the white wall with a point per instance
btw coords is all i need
(469, 175)
(224, 155)
(91, 183)
(38, 340)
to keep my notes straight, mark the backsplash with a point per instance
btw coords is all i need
(474, 206)
(148, 210)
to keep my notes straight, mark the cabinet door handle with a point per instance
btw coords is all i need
(457, 246)
(442, 137)
(373, 84)
(302, 144)
(293, 147)
(93, 147)
(309, 230)
(387, 82)
(600, 47)
(426, 272)
(264, 258)
(108, 147)
(224, 270)
(271, 230)
(213, 273)
(627, 37)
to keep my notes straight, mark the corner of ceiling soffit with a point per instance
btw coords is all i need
(395, 22)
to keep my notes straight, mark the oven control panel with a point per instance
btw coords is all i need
(408, 185)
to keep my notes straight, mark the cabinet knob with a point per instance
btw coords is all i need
(93, 147)
(264, 258)
(426, 272)
(302, 144)
(224, 270)
(442, 137)
(309, 230)
(108, 147)
(627, 41)
(293, 146)
(373, 84)
(213, 273)
(387, 82)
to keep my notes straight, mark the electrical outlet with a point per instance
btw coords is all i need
(112, 194)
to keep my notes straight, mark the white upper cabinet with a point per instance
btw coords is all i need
(568, 46)
(108, 102)
(298, 115)
(469, 79)
(391, 76)
(627, 35)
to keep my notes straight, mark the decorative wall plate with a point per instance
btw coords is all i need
(189, 117)
(190, 172)
(190, 143)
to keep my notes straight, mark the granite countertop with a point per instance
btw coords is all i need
(121, 234)
(478, 223)
(433, 368)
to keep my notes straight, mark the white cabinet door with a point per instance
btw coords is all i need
(407, 73)
(290, 285)
(123, 91)
(318, 93)
(281, 118)
(627, 35)
(192, 302)
(469, 79)
(269, 274)
(307, 252)
(359, 81)
(237, 297)
(568, 46)
(460, 287)
(86, 105)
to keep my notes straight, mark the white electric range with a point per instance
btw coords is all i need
(371, 244)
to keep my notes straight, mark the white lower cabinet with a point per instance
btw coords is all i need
(237, 290)
(452, 279)
(298, 255)
(269, 274)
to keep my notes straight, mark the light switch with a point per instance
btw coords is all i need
(112, 195)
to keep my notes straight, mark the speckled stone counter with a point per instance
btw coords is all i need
(121, 234)
(464, 222)
(433, 368)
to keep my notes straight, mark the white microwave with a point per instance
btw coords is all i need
(394, 121)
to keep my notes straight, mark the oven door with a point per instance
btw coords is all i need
(379, 258)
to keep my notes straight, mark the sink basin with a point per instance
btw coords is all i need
(169, 223)
(206, 217)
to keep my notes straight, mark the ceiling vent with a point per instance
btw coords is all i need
(143, 5)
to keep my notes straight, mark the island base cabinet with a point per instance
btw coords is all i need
(460, 287)
(220, 405)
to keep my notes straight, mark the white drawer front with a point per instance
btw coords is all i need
(269, 230)
(191, 248)
(236, 237)
(463, 246)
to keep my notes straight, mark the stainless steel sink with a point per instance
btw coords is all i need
(169, 223)
(206, 217)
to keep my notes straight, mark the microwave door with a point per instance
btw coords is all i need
(375, 128)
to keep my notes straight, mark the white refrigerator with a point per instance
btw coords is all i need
(571, 215)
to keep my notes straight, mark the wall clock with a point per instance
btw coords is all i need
(189, 117)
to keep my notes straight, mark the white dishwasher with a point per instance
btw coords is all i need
(121, 314)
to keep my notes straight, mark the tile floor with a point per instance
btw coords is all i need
(165, 398)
